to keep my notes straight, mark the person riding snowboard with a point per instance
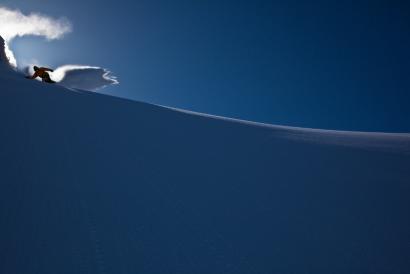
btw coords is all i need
(42, 73)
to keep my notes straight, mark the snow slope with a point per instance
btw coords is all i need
(95, 184)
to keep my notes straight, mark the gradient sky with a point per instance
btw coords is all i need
(322, 64)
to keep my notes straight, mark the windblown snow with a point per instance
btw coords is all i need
(14, 23)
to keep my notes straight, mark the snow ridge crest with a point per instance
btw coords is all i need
(4, 61)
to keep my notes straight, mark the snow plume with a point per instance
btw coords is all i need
(14, 23)
(83, 77)
(80, 77)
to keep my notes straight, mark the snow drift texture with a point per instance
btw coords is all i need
(96, 184)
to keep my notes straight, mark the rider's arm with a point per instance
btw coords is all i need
(47, 69)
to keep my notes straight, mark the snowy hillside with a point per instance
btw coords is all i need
(95, 184)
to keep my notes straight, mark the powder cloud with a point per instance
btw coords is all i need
(83, 77)
(13, 23)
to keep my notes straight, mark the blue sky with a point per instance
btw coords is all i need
(302, 63)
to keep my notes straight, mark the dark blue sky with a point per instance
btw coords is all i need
(322, 64)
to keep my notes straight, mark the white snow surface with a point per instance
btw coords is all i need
(91, 183)
(393, 142)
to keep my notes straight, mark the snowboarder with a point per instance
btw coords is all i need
(42, 73)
